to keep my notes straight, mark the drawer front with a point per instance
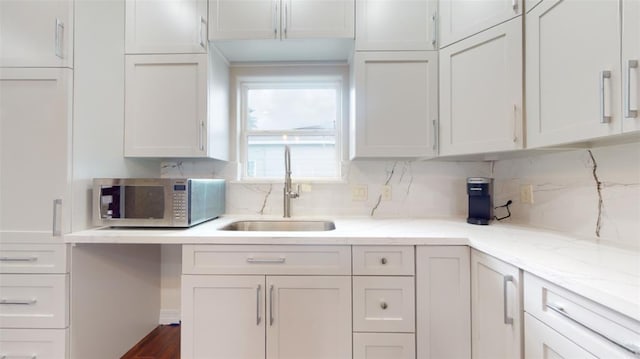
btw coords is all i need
(33, 343)
(33, 258)
(383, 260)
(542, 342)
(384, 345)
(33, 301)
(384, 304)
(590, 325)
(267, 259)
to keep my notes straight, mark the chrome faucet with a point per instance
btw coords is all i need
(288, 192)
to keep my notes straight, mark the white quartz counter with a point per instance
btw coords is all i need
(605, 274)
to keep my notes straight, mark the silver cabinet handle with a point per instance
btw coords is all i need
(435, 136)
(383, 305)
(203, 25)
(27, 356)
(18, 259)
(258, 317)
(274, 19)
(202, 131)
(56, 230)
(631, 348)
(18, 301)
(515, 124)
(434, 38)
(286, 19)
(271, 305)
(604, 75)
(507, 319)
(58, 38)
(383, 260)
(628, 112)
(266, 260)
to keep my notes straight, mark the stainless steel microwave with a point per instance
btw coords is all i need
(156, 202)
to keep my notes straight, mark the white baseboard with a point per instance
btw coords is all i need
(169, 316)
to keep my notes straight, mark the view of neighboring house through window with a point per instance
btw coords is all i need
(304, 115)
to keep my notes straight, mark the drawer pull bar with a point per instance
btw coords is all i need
(631, 348)
(18, 259)
(18, 302)
(507, 320)
(5, 356)
(266, 260)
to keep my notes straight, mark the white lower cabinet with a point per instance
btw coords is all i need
(542, 342)
(33, 343)
(384, 346)
(495, 308)
(383, 304)
(443, 308)
(258, 315)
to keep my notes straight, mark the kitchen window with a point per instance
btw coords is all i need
(303, 114)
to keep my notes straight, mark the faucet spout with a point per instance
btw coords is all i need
(288, 192)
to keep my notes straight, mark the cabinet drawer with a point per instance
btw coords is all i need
(33, 258)
(544, 342)
(33, 343)
(383, 304)
(384, 345)
(383, 260)
(33, 301)
(266, 259)
(590, 325)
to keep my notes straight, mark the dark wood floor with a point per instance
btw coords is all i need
(162, 343)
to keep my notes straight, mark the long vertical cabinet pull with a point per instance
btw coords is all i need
(58, 38)
(628, 112)
(515, 123)
(507, 320)
(604, 75)
(271, 305)
(286, 19)
(434, 38)
(258, 317)
(202, 131)
(435, 136)
(203, 26)
(274, 19)
(57, 207)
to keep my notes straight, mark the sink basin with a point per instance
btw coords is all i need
(282, 225)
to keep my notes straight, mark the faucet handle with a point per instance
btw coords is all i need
(296, 194)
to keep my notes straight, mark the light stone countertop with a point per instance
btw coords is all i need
(606, 274)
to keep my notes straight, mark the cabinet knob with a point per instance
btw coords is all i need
(383, 260)
(383, 305)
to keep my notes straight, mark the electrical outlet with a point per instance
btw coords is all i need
(359, 192)
(305, 187)
(386, 192)
(526, 194)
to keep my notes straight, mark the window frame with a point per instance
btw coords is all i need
(289, 82)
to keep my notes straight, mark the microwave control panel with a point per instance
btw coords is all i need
(180, 203)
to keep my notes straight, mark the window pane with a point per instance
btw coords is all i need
(284, 109)
(311, 156)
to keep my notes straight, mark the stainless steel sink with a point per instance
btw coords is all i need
(281, 226)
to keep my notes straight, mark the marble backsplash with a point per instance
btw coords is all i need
(592, 194)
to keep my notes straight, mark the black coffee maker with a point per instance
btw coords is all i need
(480, 191)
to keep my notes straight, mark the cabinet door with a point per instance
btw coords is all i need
(246, 19)
(396, 95)
(573, 71)
(481, 92)
(384, 346)
(305, 19)
(165, 105)
(542, 342)
(35, 152)
(462, 18)
(443, 302)
(308, 317)
(495, 308)
(396, 25)
(223, 317)
(165, 26)
(36, 33)
(631, 65)
(384, 304)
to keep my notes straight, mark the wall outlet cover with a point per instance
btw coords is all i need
(359, 192)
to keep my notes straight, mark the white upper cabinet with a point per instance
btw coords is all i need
(573, 71)
(481, 92)
(35, 153)
(281, 19)
(166, 26)
(36, 33)
(394, 104)
(176, 106)
(462, 18)
(396, 25)
(631, 65)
